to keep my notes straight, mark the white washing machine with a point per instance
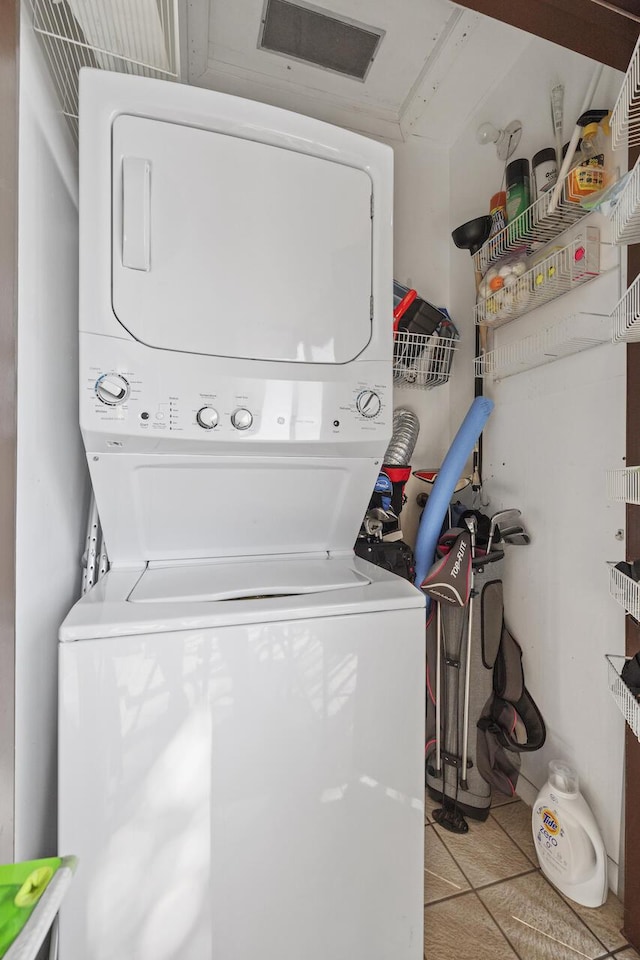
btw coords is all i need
(241, 700)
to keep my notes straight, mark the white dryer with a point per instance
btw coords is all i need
(241, 700)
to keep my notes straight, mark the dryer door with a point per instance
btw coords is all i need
(237, 248)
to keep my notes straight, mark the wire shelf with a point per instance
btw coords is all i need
(626, 315)
(422, 361)
(624, 485)
(534, 227)
(626, 591)
(625, 118)
(627, 703)
(569, 335)
(126, 36)
(625, 218)
(559, 272)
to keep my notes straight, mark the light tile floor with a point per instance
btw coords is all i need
(486, 899)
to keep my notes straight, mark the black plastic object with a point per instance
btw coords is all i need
(450, 818)
(591, 116)
(472, 234)
(393, 555)
(631, 675)
(420, 317)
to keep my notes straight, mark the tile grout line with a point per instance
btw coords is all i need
(568, 903)
(503, 932)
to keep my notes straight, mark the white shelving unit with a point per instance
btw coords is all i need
(422, 361)
(534, 228)
(568, 335)
(625, 117)
(625, 219)
(624, 485)
(627, 703)
(126, 36)
(571, 265)
(626, 591)
(626, 315)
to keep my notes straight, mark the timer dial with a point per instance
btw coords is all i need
(112, 389)
(242, 419)
(207, 417)
(368, 404)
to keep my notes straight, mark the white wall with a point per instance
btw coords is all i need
(51, 474)
(554, 432)
(421, 260)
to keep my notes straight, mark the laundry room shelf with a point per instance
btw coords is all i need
(569, 335)
(625, 219)
(422, 361)
(625, 118)
(139, 37)
(626, 315)
(626, 591)
(534, 227)
(627, 703)
(624, 485)
(561, 271)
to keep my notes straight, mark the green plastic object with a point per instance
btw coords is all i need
(21, 886)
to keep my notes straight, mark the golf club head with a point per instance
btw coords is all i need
(518, 539)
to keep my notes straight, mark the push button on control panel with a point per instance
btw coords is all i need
(207, 417)
(242, 418)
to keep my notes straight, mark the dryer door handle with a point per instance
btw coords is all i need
(136, 219)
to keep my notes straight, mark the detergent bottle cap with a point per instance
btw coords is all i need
(563, 778)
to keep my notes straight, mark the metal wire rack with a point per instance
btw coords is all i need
(126, 36)
(625, 219)
(626, 591)
(624, 485)
(573, 264)
(423, 361)
(627, 703)
(532, 229)
(626, 315)
(625, 118)
(569, 335)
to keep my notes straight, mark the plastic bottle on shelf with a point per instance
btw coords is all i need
(567, 840)
(592, 172)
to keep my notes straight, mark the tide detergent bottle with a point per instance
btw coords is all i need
(567, 840)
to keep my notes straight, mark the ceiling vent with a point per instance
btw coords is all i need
(319, 37)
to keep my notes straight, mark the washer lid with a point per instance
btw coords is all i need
(257, 580)
(335, 586)
(237, 248)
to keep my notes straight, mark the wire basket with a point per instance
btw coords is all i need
(562, 270)
(126, 36)
(423, 361)
(624, 485)
(626, 591)
(627, 703)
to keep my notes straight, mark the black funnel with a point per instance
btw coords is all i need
(471, 235)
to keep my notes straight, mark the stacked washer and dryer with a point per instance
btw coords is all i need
(241, 699)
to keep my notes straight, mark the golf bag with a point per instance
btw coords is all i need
(473, 793)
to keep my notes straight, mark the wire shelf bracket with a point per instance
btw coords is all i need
(625, 218)
(567, 336)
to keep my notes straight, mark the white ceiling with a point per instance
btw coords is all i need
(420, 68)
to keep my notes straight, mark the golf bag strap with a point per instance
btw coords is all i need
(508, 675)
(491, 610)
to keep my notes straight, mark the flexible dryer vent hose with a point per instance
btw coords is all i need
(406, 428)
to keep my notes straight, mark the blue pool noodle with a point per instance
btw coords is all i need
(445, 484)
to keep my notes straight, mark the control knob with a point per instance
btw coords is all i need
(207, 418)
(112, 389)
(242, 418)
(368, 403)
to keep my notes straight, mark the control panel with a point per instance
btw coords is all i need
(171, 397)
